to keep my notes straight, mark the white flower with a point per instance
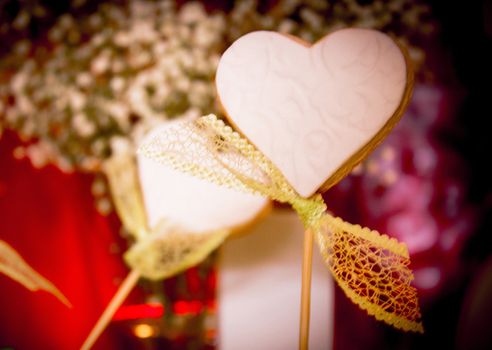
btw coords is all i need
(242, 8)
(98, 39)
(98, 146)
(168, 29)
(160, 48)
(103, 206)
(117, 84)
(82, 125)
(64, 164)
(205, 35)
(218, 22)
(25, 105)
(202, 64)
(122, 39)
(90, 164)
(120, 145)
(100, 64)
(77, 100)
(143, 32)
(95, 20)
(314, 20)
(19, 152)
(137, 94)
(98, 187)
(192, 12)
(287, 26)
(142, 9)
(182, 83)
(84, 79)
(183, 34)
(174, 70)
(39, 154)
(19, 81)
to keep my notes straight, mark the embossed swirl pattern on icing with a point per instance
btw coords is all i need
(308, 109)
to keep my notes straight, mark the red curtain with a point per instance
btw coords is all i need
(50, 219)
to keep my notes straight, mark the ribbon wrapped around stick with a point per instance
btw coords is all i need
(372, 269)
(161, 251)
(158, 252)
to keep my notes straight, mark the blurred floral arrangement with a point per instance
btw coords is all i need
(97, 84)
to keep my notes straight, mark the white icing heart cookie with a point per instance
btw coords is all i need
(194, 204)
(314, 111)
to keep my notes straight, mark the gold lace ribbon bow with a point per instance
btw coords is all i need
(161, 251)
(372, 269)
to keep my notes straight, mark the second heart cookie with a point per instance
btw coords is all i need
(314, 111)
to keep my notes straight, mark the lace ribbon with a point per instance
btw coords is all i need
(165, 249)
(372, 269)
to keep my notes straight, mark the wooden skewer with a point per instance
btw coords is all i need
(307, 263)
(108, 313)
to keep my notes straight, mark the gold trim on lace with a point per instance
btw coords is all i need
(169, 251)
(372, 269)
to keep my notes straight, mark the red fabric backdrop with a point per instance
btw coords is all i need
(49, 217)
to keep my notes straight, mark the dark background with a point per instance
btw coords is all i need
(461, 318)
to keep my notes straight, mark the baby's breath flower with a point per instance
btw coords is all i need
(192, 12)
(117, 84)
(108, 78)
(82, 125)
(100, 64)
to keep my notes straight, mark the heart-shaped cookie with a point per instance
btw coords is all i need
(194, 204)
(314, 111)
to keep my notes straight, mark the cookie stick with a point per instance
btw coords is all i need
(307, 263)
(242, 82)
(121, 294)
